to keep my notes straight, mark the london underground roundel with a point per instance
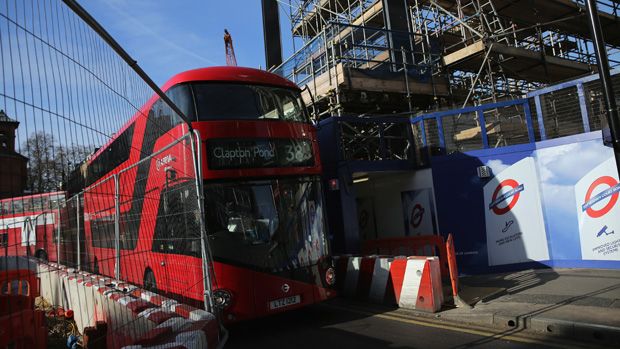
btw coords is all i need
(612, 192)
(511, 196)
(417, 213)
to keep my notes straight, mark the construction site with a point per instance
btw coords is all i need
(365, 57)
(410, 174)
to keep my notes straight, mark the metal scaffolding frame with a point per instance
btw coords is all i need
(454, 52)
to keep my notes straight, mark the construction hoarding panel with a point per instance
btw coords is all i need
(598, 211)
(515, 228)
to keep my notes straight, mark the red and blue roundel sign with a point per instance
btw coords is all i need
(512, 194)
(611, 192)
(417, 213)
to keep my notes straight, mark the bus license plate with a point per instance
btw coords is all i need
(284, 302)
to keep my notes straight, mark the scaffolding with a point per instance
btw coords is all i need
(406, 56)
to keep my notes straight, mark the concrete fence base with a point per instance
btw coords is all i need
(135, 317)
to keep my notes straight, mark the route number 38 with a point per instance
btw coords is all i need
(298, 152)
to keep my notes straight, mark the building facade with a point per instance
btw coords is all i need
(13, 171)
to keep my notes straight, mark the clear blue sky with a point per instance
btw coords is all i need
(170, 36)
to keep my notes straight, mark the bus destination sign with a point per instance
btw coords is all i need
(258, 153)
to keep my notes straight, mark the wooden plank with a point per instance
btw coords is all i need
(535, 55)
(464, 53)
(355, 80)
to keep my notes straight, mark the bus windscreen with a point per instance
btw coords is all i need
(270, 225)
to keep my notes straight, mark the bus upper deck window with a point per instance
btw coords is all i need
(236, 101)
(5, 208)
(18, 207)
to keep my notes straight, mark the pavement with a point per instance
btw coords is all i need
(576, 304)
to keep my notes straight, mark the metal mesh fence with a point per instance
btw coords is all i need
(421, 157)
(462, 132)
(474, 128)
(595, 102)
(561, 113)
(99, 174)
(371, 140)
(506, 126)
(432, 136)
(563, 110)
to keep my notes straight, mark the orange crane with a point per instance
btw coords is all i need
(231, 60)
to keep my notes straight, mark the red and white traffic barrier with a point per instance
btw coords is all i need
(352, 276)
(421, 288)
(381, 281)
(409, 282)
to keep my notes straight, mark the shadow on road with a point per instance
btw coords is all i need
(311, 327)
(344, 324)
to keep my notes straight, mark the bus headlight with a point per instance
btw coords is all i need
(222, 298)
(330, 276)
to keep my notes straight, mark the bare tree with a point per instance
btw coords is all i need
(49, 164)
(42, 175)
(69, 157)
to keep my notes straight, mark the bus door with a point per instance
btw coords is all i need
(177, 239)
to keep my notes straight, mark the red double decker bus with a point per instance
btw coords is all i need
(28, 225)
(265, 220)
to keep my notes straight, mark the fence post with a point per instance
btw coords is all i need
(77, 220)
(539, 115)
(583, 108)
(483, 128)
(117, 233)
(206, 265)
(58, 235)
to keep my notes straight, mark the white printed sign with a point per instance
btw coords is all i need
(417, 209)
(599, 212)
(27, 225)
(366, 218)
(513, 214)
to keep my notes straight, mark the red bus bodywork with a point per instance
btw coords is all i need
(28, 225)
(292, 274)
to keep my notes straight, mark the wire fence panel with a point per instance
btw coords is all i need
(432, 136)
(561, 113)
(162, 242)
(506, 126)
(373, 141)
(595, 102)
(99, 187)
(462, 132)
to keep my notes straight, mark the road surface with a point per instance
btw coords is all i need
(348, 325)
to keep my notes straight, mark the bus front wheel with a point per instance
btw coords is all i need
(149, 281)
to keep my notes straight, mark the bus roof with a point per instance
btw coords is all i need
(224, 73)
(233, 74)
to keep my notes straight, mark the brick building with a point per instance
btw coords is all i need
(12, 164)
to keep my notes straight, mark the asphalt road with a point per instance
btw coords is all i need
(342, 325)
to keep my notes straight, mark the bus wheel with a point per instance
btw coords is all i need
(95, 266)
(149, 281)
(42, 255)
